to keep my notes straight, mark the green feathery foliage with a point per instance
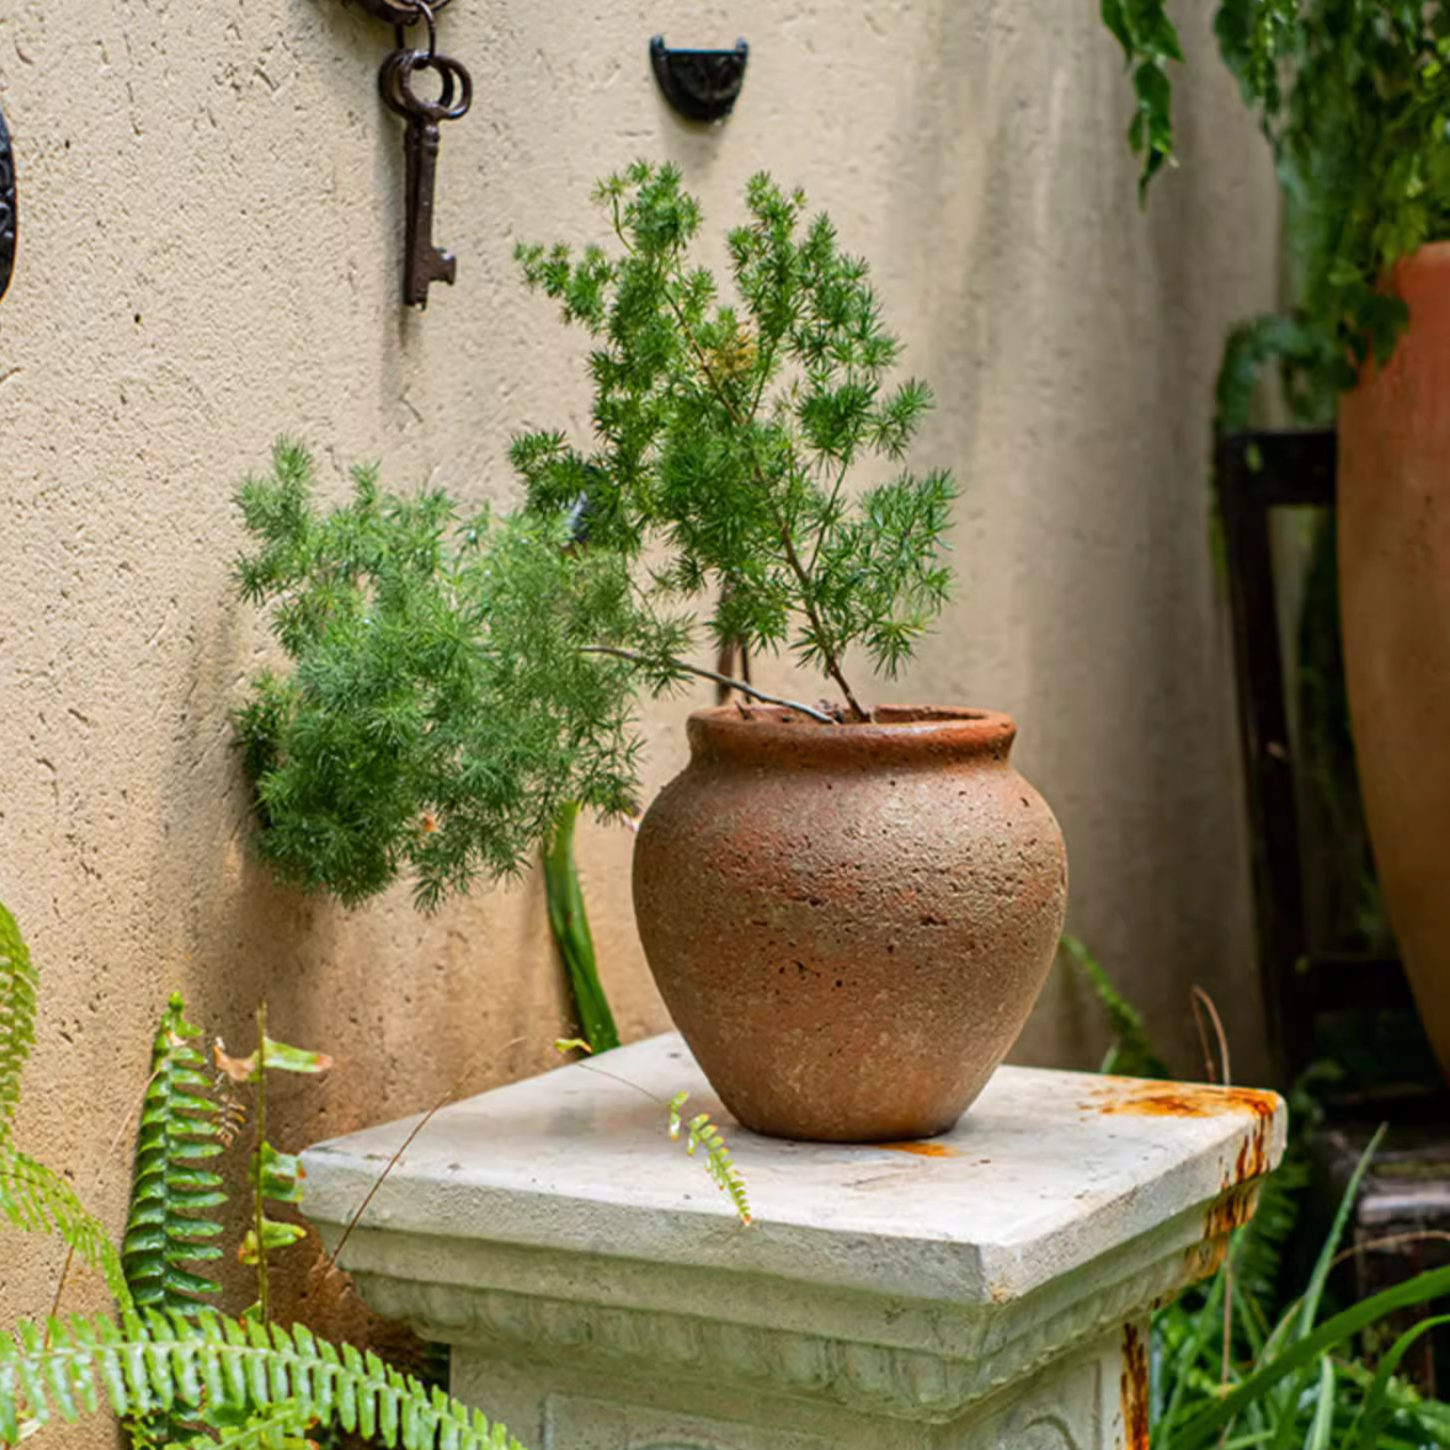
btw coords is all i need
(38, 1200)
(17, 1016)
(1353, 97)
(455, 682)
(33, 1197)
(726, 428)
(226, 1372)
(701, 1132)
(167, 1227)
(440, 710)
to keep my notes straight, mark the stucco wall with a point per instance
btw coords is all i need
(210, 219)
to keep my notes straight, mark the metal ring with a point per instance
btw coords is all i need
(408, 106)
(445, 108)
(432, 26)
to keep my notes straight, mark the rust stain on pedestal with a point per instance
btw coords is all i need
(1196, 1100)
(1133, 1389)
(921, 1150)
(1182, 1099)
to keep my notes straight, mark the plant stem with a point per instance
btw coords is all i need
(393, 1162)
(635, 657)
(803, 578)
(258, 1206)
(828, 655)
(570, 923)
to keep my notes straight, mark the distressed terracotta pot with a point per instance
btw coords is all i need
(850, 923)
(1394, 576)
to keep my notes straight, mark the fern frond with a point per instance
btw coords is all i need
(283, 1428)
(700, 1131)
(17, 1016)
(36, 1199)
(218, 1369)
(1132, 1053)
(167, 1227)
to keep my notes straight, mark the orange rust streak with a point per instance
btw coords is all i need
(1133, 1392)
(1202, 1261)
(922, 1150)
(1182, 1100)
(1231, 1211)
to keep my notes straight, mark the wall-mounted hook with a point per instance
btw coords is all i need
(9, 214)
(699, 84)
(397, 12)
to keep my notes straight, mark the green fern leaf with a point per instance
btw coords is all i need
(34, 1198)
(226, 1373)
(701, 1132)
(1132, 1053)
(17, 1016)
(167, 1228)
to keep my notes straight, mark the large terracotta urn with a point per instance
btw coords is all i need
(1394, 575)
(850, 922)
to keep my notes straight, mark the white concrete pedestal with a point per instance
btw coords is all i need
(988, 1290)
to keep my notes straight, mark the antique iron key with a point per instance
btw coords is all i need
(424, 263)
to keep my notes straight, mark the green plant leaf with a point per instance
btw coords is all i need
(279, 1057)
(279, 1175)
(569, 921)
(242, 1377)
(1207, 1424)
(168, 1226)
(274, 1236)
(18, 986)
(34, 1198)
(1368, 1423)
(1132, 1053)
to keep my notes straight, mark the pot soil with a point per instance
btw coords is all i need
(850, 923)
(1394, 575)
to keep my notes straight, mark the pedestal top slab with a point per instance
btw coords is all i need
(1047, 1173)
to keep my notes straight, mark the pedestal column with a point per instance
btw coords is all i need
(987, 1290)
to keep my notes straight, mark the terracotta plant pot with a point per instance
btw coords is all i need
(1394, 579)
(850, 923)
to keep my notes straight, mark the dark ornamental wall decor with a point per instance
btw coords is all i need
(701, 85)
(398, 12)
(9, 213)
(423, 262)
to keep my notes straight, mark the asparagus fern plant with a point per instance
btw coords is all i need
(457, 679)
(1353, 97)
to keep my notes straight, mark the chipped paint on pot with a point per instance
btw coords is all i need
(850, 923)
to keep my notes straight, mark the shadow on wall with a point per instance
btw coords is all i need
(1091, 612)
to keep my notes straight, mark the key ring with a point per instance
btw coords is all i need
(396, 82)
(432, 27)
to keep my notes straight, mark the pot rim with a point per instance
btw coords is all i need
(896, 735)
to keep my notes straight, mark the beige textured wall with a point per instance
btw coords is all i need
(210, 253)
